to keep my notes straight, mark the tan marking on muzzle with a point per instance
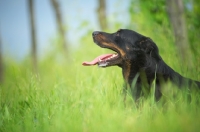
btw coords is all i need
(103, 40)
(112, 45)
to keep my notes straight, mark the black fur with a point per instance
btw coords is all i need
(140, 60)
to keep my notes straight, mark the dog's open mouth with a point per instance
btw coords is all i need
(102, 60)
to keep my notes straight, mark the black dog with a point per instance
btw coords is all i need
(139, 58)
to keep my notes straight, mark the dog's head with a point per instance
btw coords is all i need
(128, 45)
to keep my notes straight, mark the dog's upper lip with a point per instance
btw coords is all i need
(103, 46)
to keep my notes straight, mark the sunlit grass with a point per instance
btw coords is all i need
(66, 96)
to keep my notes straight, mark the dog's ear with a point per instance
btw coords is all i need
(149, 47)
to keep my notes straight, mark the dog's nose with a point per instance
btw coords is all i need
(95, 33)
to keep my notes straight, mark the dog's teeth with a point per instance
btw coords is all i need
(114, 55)
(103, 64)
(100, 60)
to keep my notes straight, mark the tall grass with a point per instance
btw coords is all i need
(66, 96)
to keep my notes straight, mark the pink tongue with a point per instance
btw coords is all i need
(96, 60)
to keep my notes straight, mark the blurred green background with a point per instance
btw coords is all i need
(44, 87)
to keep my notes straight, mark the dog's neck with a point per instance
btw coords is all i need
(129, 71)
(141, 72)
(159, 70)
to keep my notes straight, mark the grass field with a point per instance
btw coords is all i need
(68, 97)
